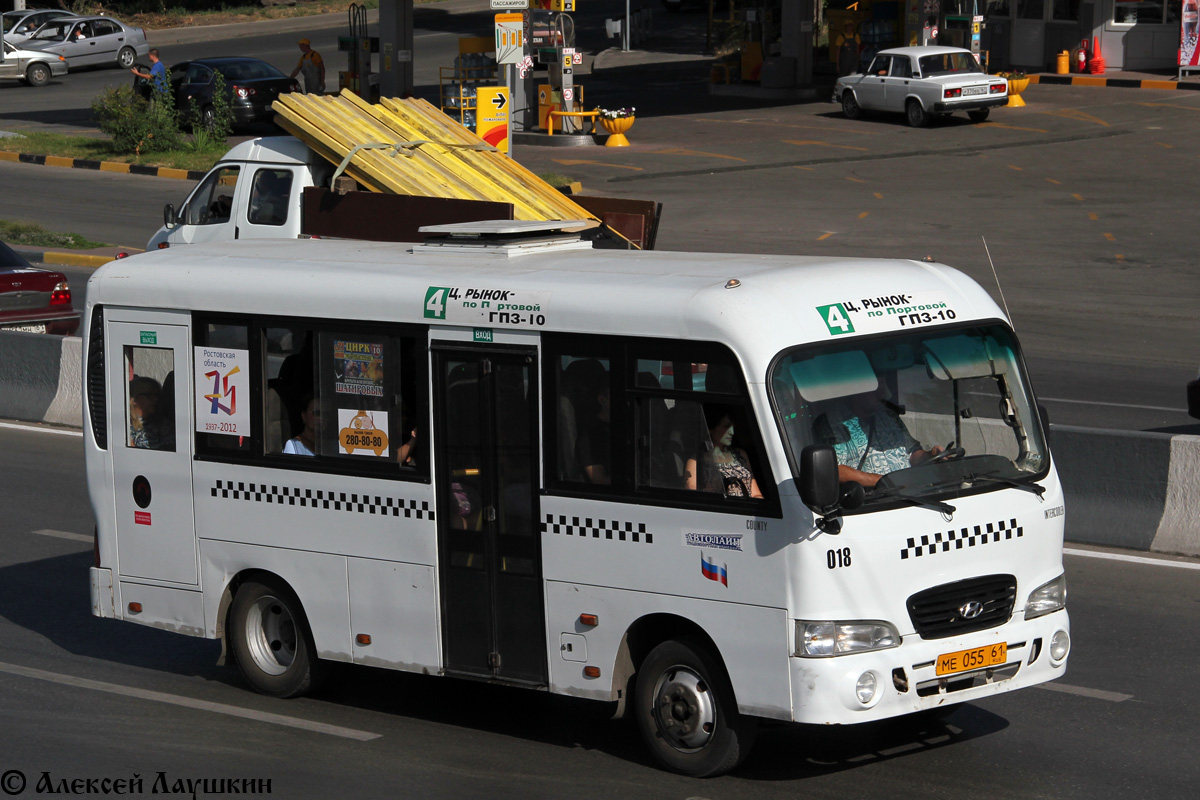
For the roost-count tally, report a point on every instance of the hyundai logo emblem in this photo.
(970, 610)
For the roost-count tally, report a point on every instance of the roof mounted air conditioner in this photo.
(506, 238)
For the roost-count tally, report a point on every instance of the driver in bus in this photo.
(869, 438)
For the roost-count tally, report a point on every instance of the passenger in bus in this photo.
(593, 449)
(161, 427)
(722, 468)
(306, 443)
(869, 438)
(406, 454)
(143, 407)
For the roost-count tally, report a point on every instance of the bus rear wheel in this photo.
(271, 641)
(686, 712)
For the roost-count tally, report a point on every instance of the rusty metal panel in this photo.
(387, 217)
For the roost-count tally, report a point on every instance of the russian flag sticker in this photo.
(713, 571)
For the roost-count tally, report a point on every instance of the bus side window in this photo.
(288, 363)
(150, 410)
(234, 337)
(694, 428)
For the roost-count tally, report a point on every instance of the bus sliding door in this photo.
(150, 391)
(489, 547)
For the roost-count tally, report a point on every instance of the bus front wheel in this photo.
(271, 640)
(686, 712)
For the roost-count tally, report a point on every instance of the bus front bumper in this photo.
(905, 679)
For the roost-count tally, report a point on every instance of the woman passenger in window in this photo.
(722, 469)
(143, 408)
(306, 443)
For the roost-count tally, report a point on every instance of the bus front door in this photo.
(150, 423)
(488, 541)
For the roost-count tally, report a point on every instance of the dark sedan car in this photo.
(251, 86)
(34, 300)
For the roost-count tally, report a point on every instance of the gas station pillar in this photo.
(796, 34)
(396, 48)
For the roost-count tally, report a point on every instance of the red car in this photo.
(34, 300)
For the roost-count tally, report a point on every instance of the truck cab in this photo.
(254, 192)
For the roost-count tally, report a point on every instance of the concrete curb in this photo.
(73, 258)
(103, 166)
(1118, 83)
(1127, 489)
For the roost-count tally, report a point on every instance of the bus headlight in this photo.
(1047, 598)
(824, 639)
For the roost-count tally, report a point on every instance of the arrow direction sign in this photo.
(493, 123)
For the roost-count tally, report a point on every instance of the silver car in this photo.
(34, 67)
(20, 25)
(922, 82)
(91, 41)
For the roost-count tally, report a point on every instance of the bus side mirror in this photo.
(819, 486)
(169, 218)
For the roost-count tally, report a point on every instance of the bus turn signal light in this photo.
(591, 620)
(135, 608)
(363, 638)
(591, 672)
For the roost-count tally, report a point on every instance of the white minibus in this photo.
(710, 489)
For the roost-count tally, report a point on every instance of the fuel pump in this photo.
(562, 69)
(359, 45)
(960, 28)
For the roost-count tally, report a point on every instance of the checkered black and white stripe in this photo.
(585, 527)
(932, 543)
(320, 499)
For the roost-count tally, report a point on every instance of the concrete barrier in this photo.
(1127, 489)
(41, 377)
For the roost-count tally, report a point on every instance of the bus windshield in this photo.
(925, 414)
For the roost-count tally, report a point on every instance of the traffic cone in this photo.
(1096, 62)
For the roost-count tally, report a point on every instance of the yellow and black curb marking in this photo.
(1120, 83)
(103, 166)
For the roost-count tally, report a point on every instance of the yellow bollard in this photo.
(1063, 65)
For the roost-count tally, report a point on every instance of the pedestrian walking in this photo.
(312, 67)
(157, 74)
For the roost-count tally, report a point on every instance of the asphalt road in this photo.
(87, 698)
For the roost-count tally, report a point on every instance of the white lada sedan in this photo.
(921, 82)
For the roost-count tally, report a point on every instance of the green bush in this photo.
(136, 125)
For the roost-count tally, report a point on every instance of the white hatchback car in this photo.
(921, 82)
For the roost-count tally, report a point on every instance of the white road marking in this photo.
(74, 537)
(1157, 562)
(1111, 405)
(189, 702)
(1096, 694)
(40, 429)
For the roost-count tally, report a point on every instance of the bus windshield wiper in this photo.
(932, 505)
(1016, 484)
